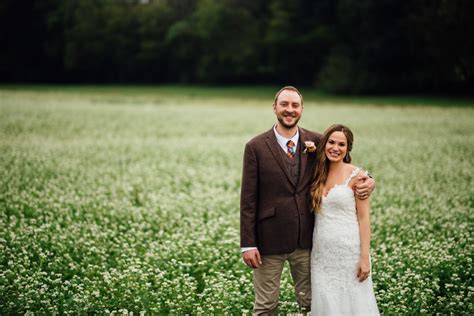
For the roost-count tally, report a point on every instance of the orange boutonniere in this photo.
(310, 147)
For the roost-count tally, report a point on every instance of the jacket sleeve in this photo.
(249, 199)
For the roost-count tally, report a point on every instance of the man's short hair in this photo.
(291, 88)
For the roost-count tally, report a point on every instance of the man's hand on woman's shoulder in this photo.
(364, 186)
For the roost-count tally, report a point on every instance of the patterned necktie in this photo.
(291, 149)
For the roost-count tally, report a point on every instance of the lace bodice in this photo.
(340, 201)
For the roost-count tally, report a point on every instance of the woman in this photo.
(340, 262)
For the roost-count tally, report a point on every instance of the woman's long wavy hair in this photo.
(322, 164)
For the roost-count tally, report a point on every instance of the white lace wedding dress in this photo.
(334, 257)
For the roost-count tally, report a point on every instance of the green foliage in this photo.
(384, 46)
(218, 41)
(127, 200)
(349, 46)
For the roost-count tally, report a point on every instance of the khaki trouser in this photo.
(266, 281)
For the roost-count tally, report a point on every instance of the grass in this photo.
(263, 93)
(127, 198)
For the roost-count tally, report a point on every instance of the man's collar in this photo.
(283, 140)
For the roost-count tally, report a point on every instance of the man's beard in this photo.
(285, 125)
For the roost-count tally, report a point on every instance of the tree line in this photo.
(342, 46)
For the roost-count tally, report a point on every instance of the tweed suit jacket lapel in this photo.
(303, 175)
(274, 147)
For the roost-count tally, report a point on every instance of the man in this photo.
(276, 222)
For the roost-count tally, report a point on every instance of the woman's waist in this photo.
(337, 229)
(337, 220)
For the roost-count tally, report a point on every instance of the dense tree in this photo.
(25, 53)
(346, 46)
(387, 46)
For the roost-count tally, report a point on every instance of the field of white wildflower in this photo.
(127, 200)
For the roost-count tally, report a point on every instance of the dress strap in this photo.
(353, 174)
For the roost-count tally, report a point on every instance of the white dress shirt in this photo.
(283, 140)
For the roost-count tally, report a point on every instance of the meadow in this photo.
(126, 199)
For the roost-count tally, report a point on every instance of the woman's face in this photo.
(336, 147)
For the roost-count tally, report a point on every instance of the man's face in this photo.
(288, 108)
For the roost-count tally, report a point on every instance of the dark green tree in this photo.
(344, 46)
(391, 46)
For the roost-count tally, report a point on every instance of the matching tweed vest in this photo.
(293, 166)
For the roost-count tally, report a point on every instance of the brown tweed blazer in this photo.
(275, 213)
